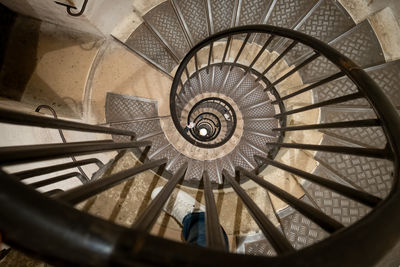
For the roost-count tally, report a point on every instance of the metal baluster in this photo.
(275, 237)
(312, 86)
(209, 56)
(322, 104)
(360, 196)
(290, 47)
(81, 193)
(291, 72)
(20, 118)
(226, 51)
(59, 178)
(320, 218)
(269, 40)
(215, 237)
(344, 124)
(22, 154)
(146, 221)
(45, 170)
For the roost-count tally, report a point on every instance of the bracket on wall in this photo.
(70, 8)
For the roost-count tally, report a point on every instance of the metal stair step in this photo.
(124, 108)
(146, 44)
(359, 44)
(286, 14)
(222, 13)
(327, 21)
(193, 15)
(340, 208)
(165, 24)
(370, 174)
(362, 136)
(252, 11)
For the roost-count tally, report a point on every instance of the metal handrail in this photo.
(108, 244)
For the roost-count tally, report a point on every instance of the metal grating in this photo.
(164, 20)
(206, 80)
(261, 126)
(260, 248)
(146, 44)
(195, 17)
(334, 205)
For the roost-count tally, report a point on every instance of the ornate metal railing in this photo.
(50, 228)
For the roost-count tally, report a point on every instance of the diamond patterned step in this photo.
(371, 175)
(147, 45)
(298, 229)
(327, 21)
(163, 21)
(362, 136)
(301, 231)
(223, 14)
(386, 75)
(193, 15)
(359, 44)
(125, 108)
(286, 14)
(252, 11)
(195, 170)
(340, 208)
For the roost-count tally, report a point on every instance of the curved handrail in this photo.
(108, 244)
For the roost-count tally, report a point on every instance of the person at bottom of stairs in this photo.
(190, 214)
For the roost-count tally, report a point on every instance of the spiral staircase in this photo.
(294, 114)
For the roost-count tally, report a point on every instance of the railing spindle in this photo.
(214, 234)
(333, 101)
(146, 221)
(22, 154)
(274, 236)
(320, 218)
(81, 193)
(360, 196)
(290, 47)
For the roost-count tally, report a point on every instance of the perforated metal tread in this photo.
(369, 174)
(147, 45)
(193, 14)
(359, 44)
(163, 20)
(327, 21)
